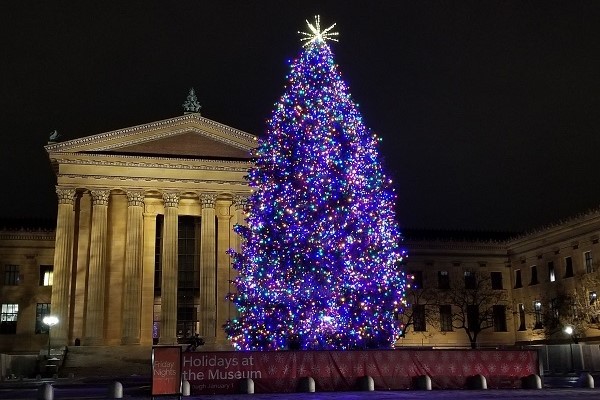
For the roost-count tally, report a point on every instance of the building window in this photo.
(551, 273)
(419, 318)
(41, 310)
(8, 318)
(537, 310)
(554, 312)
(521, 308)
(587, 258)
(518, 282)
(156, 323)
(158, 256)
(446, 318)
(534, 278)
(496, 278)
(186, 322)
(443, 280)
(46, 275)
(11, 275)
(593, 298)
(568, 267)
(470, 282)
(473, 317)
(417, 281)
(499, 315)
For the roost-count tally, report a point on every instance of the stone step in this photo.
(84, 361)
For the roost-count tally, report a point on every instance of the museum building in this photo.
(145, 217)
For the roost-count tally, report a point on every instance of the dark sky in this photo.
(489, 110)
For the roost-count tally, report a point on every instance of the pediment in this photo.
(188, 136)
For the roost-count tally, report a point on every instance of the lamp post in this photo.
(50, 320)
(569, 331)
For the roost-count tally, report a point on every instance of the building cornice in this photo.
(119, 160)
(246, 140)
(168, 180)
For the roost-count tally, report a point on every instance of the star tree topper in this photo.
(316, 35)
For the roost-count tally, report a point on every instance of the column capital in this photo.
(135, 198)
(208, 200)
(171, 199)
(239, 201)
(65, 196)
(100, 197)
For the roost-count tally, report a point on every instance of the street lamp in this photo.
(50, 320)
(569, 331)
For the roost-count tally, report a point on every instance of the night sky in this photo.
(489, 110)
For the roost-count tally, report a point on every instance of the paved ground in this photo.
(97, 392)
(138, 388)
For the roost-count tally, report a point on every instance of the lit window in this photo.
(551, 272)
(46, 275)
(8, 318)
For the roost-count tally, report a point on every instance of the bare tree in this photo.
(419, 310)
(475, 305)
(574, 303)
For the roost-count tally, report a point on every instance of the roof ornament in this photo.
(54, 137)
(191, 105)
(316, 35)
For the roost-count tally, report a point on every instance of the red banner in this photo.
(281, 371)
(166, 370)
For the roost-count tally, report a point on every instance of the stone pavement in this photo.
(508, 394)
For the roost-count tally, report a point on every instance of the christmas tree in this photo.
(319, 262)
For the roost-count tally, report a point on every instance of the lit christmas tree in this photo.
(319, 262)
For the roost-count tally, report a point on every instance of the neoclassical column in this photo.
(168, 310)
(239, 203)
(94, 316)
(132, 286)
(63, 256)
(208, 266)
(224, 271)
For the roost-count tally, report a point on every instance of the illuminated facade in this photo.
(146, 215)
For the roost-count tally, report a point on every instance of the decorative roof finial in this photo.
(191, 105)
(54, 136)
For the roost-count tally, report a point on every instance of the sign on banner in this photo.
(166, 370)
(283, 371)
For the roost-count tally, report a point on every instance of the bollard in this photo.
(366, 384)
(586, 380)
(115, 390)
(306, 385)
(477, 382)
(532, 381)
(45, 392)
(247, 386)
(422, 382)
(185, 388)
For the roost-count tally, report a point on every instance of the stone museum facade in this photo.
(145, 218)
